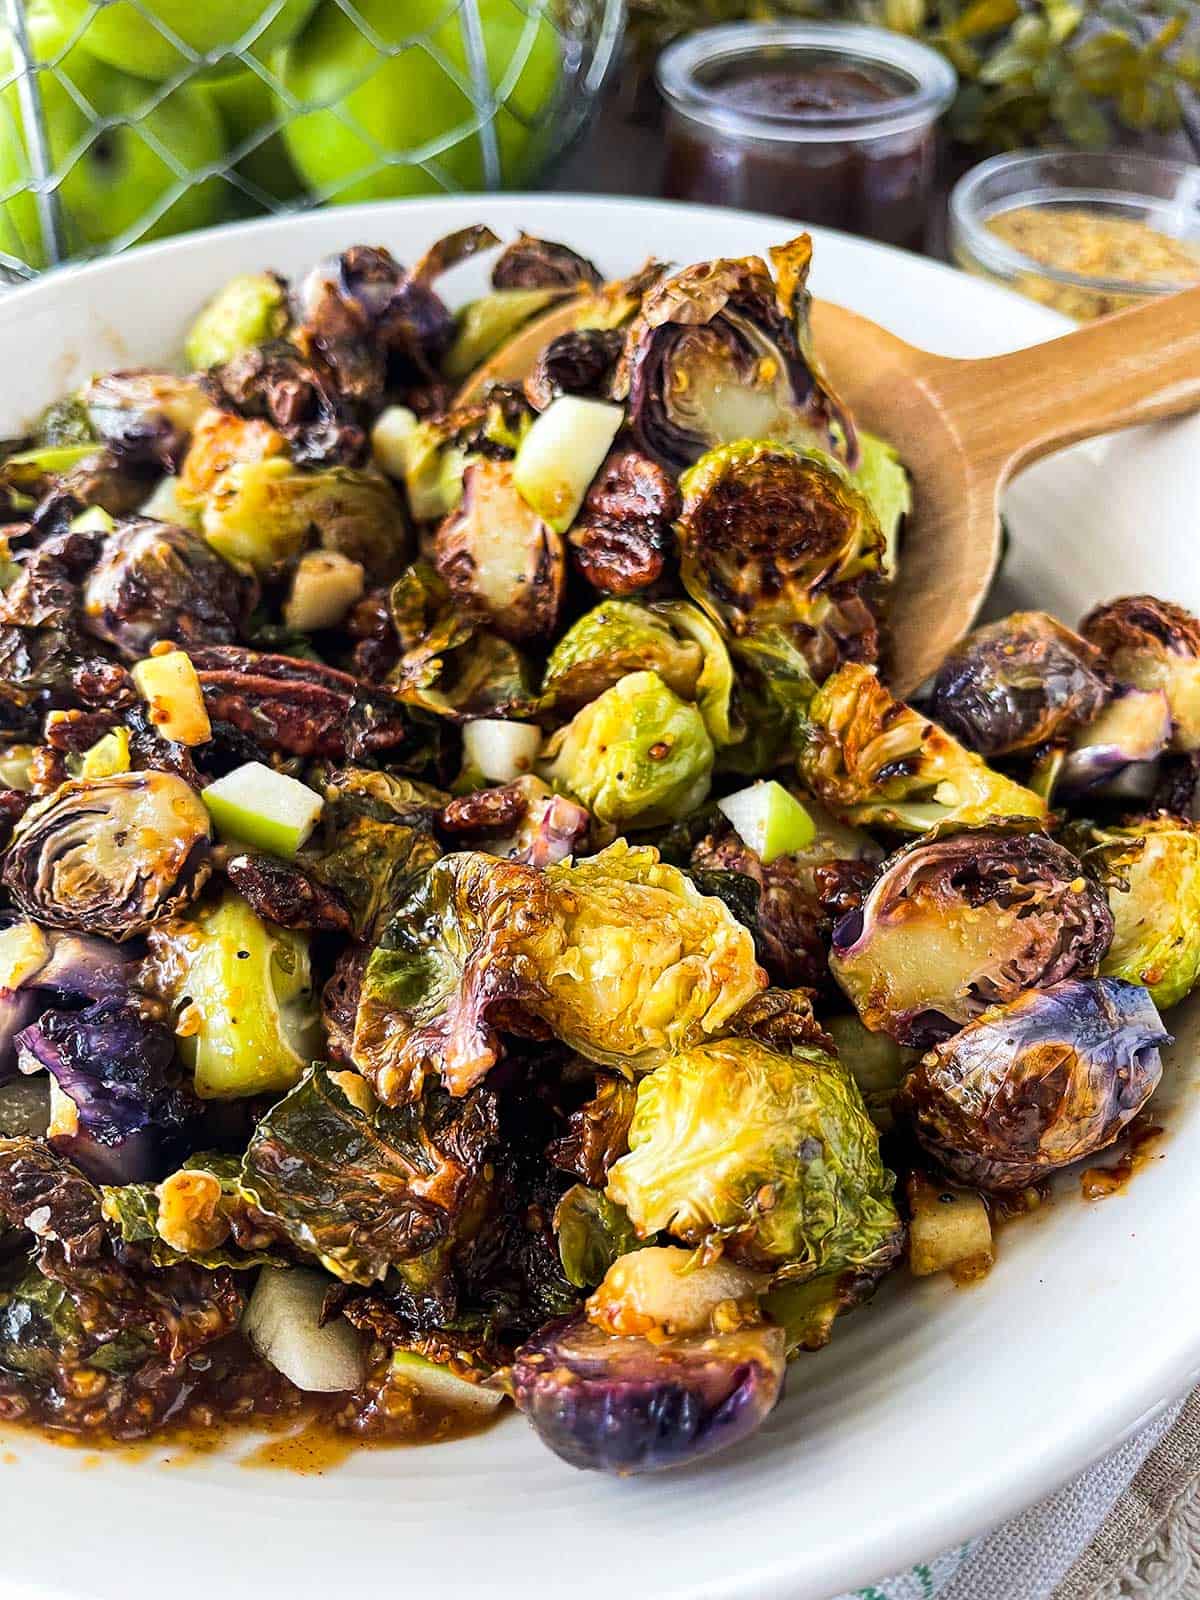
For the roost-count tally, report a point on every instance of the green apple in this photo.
(114, 179)
(257, 806)
(245, 105)
(119, 34)
(769, 819)
(561, 454)
(407, 105)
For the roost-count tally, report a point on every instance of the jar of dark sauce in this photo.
(825, 122)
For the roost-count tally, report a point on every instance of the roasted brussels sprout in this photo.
(622, 538)
(1151, 870)
(613, 639)
(145, 418)
(1116, 754)
(249, 310)
(625, 1404)
(242, 994)
(499, 559)
(877, 762)
(154, 581)
(637, 756)
(619, 954)
(1016, 684)
(579, 362)
(275, 382)
(1034, 1085)
(771, 1154)
(111, 855)
(665, 1288)
(715, 355)
(1152, 644)
(954, 925)
(774, 535)
(529, 263)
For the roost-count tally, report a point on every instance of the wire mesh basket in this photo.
(125, 120)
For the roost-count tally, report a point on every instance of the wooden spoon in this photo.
(963, 430)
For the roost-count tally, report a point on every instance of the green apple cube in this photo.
(769, 819)
(257, 806)
(501, 751)
(562, 453)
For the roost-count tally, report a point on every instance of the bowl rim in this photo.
(969, 218)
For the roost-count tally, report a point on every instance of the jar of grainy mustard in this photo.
(1086, 232)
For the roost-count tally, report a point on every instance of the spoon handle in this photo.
(1141, 365)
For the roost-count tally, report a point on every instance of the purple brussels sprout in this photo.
(1017, 683)
(1117, 754)
(954, 925)
(146, 418)
(44, 968)
(118, 1109)
(1037, 1084)
(626, 1404)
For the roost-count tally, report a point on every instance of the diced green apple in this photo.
(562, 453)
(768, 819)
(257, 806)
(170, 687)
(500, 751)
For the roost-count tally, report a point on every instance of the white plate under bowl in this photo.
(936, 1412)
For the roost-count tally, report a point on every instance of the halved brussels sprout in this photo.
(637, 756)
(1152, 644)
(499, 558)
(532, 263)
(613, 639)
(772, 1155)
(242, 992)
(248, 310)
(619, 954)
(718, 353)
(1034, 1085)
(954, 925)
(1151, 869)
(666, 1289)
(773, 535)
(714, 689)
(145, 417)
(623, 1404)
(1018, 683)
(1116, 753)
(110, 855)
(876, 761)
(154, 581)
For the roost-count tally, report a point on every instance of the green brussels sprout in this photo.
(887, 488)
(774, 536)
(1152, 644)
(877, 762)
(714, 688)
(1151, 870)
(638, 756)
(773, 1155)
(242, 993)
(875, 1061)
(619, 955)
(611, 640)
(251, 309)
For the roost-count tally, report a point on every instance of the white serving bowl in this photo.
(936, 1411)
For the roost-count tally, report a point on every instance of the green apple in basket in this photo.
(382, 114)
(246, 106)
(114, 178)
(123, 32)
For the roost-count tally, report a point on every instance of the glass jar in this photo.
(830, 123)
(1087, 232)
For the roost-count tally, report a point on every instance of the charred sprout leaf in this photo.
(119, 1107)
(1151, 869)
(877, 762)
(500, 561)
(1152, 644)
(374, 842)
(529, 263)
(955, 924)
(112, 855)
(626, 1404)
(450, 666)
(241, 990)
(771, 1154)
(275, 382)
(597, 1133)
(146, 418)
(773, 536)
(250, 309)
(619, 955)
(197, 1214)
(714, 356)
(1017, 683)
(1032, 1086)
(615, 638)
(637, 756)
(363, 1190)
(154, 581)
(592, 1234)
